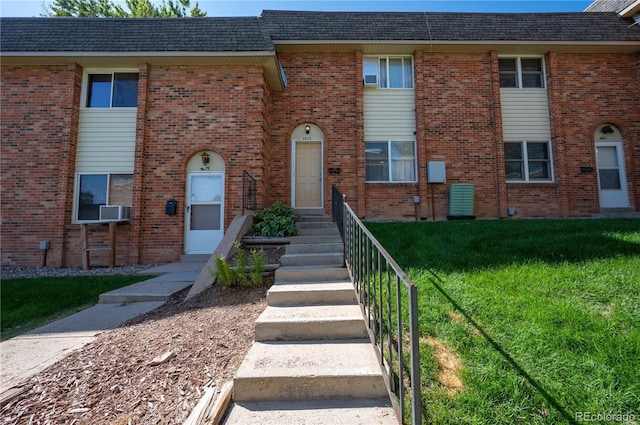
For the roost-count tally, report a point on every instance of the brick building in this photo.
(539, 114)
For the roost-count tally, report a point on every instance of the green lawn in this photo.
(29, 303)
(543, 315)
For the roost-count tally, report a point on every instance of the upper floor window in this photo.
(521, 72)
(388, 72)
(390, 161)
(528, 161)
(112, 90)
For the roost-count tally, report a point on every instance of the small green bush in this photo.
(278, 220)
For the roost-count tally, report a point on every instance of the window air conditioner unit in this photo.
(115, 213)
(371, 80)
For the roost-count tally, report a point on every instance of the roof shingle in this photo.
(133, 35)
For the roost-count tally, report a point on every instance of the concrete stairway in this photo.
(312, 361)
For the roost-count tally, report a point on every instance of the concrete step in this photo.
(315, 322)
(309, 370)
(307, 213)
(311, 273)
(332, 231)
(315, 225)
(307, 293)
(316, 239)
(316, 412)
(306, 248)
(159, 288)
(314, 259)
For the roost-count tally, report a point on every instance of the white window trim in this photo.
(76, 192)
(415, 164)
(85, 86)
(387, 57)
(525, 159)
(519, 71)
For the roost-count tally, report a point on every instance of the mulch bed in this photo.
(113, 380)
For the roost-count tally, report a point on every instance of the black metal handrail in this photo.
(249, 192)
(389, 302)
(337, 207)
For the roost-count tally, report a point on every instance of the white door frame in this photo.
(294, 144)
(614, 198)
(191, 246)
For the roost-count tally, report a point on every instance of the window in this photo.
(94, 190)
(114, 90)
(390, 161)
(521, 72)
(392, 72)
(528, 161)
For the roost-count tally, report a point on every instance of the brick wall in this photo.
(39, 134)
(231, 111)
(455, 124)
(191, 109)
(321, 90)
(587, 90)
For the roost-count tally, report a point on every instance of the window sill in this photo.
(534, 184)
(394, 183)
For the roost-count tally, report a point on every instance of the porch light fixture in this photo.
(607, 129)
(307, 128)
(205, 158)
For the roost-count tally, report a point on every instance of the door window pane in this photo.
(609, 179)
(607, 157)
(205, 217)
(206, 188)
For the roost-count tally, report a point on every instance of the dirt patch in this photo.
(449, 366)
(112, 381)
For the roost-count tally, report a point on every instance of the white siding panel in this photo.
(389, 115)
(525, 115)
(106, 140)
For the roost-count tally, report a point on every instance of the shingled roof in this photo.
(246, 34)
(293, 25)
(133, 35)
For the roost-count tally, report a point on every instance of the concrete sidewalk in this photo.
(30, 353)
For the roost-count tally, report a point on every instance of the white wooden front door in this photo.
(204, 212)
(612, 179)
(308, 175)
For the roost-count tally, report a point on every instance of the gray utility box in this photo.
(461, 201)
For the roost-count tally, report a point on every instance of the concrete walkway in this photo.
(30, 353)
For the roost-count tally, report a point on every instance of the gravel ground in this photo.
(9, 272)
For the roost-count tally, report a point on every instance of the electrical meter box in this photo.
(436, 172)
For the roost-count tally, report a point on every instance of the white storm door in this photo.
(308, 175)
(612, 181)
(204, 212)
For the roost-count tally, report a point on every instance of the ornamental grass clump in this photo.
(246, 273)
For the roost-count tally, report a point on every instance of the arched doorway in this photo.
(204, 203)
(307, 178)
(612, 178)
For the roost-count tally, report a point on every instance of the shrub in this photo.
(275, 221)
